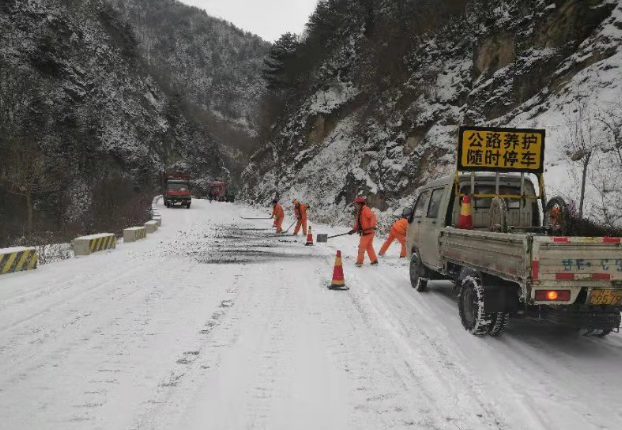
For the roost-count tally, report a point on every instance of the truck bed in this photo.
(501, 254)
(579, 260)
(553, 261)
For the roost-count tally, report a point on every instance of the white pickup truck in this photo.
(523, 270)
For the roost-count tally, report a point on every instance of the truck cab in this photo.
(217, 190)
(177, 190)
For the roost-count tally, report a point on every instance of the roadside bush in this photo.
(588, 228)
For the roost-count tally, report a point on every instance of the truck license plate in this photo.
(605, 297)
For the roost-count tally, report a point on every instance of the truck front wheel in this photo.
(417, 273)
(471, 307)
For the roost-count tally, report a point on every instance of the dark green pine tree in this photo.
(275, 66)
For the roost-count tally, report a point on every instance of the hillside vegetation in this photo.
(369, 99)
(214, 66)
(90, 118)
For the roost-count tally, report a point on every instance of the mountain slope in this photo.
(213, 65)
(84, 129)
(377, 111)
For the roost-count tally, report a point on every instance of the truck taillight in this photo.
(553, 295)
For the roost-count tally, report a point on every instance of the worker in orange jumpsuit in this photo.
(365, 226)
(279, 215)
(300, 211)
(398, 232)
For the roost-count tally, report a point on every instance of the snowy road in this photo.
(210, 324)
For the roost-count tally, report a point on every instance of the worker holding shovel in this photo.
(279, 215)
(398, 232)
(365, 226)
(300, 211)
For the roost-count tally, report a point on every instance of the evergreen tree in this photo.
(282, 53)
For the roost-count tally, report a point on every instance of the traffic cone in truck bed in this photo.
(309, 238)
(465, 221)
(338, 281)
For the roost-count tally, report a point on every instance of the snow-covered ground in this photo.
(210, 323)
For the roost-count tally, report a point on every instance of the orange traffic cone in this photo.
(465, 221)
(309, 238)
(338, 279)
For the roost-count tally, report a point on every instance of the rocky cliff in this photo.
(85, 130)
(212, 65)
(386, 84)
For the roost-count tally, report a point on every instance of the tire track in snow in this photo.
(467, 395)
(374, 311)
(57, 318)
(386, 384)
(86, 369)
(265, 341)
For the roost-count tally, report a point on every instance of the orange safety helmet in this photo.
(360, 199)
(295, 202)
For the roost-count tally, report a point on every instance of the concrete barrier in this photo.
(151, 226)
(17, 259)
(155, 213)
(133, 234)
(86, 245)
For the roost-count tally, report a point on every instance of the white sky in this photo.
(266, 18)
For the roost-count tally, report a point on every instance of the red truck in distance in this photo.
(177, 190)
(217, 191)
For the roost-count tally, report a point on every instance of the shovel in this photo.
(323, 238)
(289, 227)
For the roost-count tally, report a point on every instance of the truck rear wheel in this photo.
(501, 320)
(417, 273)
(471, 307)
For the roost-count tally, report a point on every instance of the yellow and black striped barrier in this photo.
(87, 245)
(133, 234)
(103, 243)
(17, 260)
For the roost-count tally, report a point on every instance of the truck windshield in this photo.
(178, 186)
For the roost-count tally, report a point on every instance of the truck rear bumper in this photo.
(583, 317)
(174, 200)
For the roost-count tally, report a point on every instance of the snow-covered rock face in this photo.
(72, 85)
(215, 66)
(363, 128)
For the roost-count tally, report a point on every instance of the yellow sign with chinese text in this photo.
(501, 149)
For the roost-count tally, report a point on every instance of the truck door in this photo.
(414, 229)
(430, 227)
